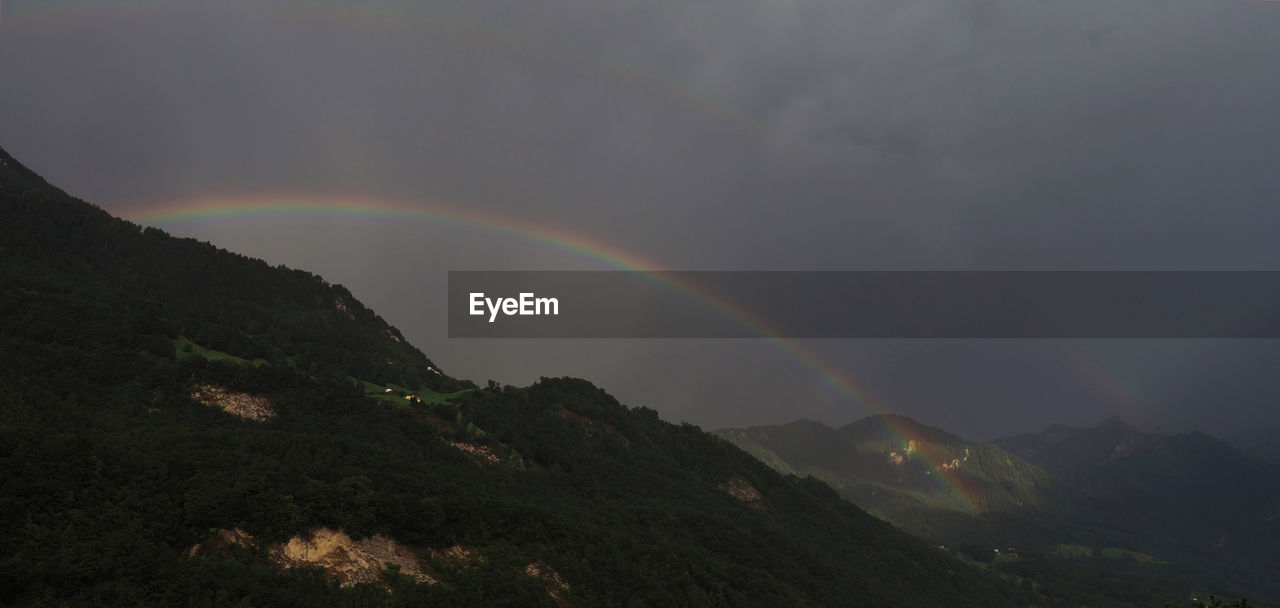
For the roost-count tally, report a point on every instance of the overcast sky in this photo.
(874, 134)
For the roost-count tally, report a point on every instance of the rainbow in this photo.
(392, 18)
(1117, 394)
(292, 207)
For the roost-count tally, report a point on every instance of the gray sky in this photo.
(875, 134)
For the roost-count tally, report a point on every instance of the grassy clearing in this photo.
(1118, 553)
(398, 393)
(1073, 551)
(185, 348)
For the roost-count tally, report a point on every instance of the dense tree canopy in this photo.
(110, 470)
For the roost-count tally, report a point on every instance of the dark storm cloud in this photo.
(710, 135)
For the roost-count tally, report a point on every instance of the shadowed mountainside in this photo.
(180, 424)
(1186, 506)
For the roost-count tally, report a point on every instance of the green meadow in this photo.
(398, 392)
(185, 348)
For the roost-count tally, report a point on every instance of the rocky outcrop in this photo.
(244, 405)
(346, 560)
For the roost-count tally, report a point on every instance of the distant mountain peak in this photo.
(1062, 449)
(806, 422)
(899, 427)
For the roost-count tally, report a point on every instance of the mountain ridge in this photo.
(894, 450)
(122, 347)
(1190, 503)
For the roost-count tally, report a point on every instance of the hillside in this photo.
(1190, 498)
(182, 425)
(1109, 498)
(919, 478)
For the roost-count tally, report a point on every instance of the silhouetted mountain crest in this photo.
(918, 477)
(896, 427)
(180, 423)
(1189, 499)
(216, 299)
(10, 164)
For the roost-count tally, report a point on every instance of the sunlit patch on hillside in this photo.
(740, 489)
(556, 585)
(479, 453)
(346, 560)
(244, 405)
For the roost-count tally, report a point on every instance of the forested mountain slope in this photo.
(919, 478)
(1064, 504)
(181, 425)
(1190, 498)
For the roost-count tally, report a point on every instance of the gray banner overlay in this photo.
(875, 304)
